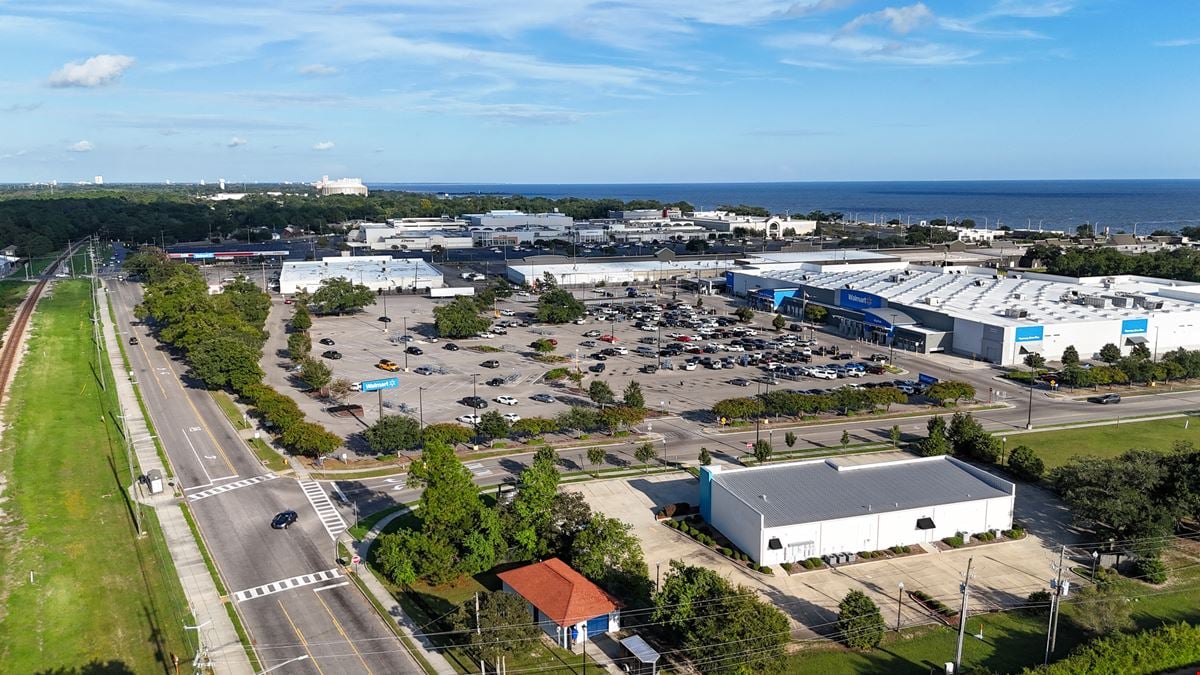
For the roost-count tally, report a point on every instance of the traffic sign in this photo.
(355, 560)
(376, 385)
(749, 445)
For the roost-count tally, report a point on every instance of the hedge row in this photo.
(1163, 649)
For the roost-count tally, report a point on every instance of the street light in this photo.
(1003, 446)
(404, 341)
(1095, 559)
(899, 604)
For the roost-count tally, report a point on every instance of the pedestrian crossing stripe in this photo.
(287, 584)
(212, 492)
(327, 513)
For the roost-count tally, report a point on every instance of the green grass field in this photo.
(11, 295)
(101, 599)
(1058, 447)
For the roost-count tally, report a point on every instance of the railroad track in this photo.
(12, 346)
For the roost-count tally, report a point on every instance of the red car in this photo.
(608, 338)
(684, 338)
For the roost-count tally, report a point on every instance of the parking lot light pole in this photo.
(405, 342)
(899, 604)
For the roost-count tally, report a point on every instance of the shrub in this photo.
(1038, 603)
(556, 374)
(1015, 533)
(672, 524)
(933, 603)
(860, 624)
(726, 551)
(984, 536)
(1151, 570)
(900, 549)
(669, 511)
(765, 569)
(813, 563)
(696, 518)
(790, 568)
(953, 542)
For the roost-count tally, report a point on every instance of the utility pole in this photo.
(478, 631)
(1055, 586)
(962, 617)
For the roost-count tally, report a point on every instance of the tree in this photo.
(1108, 610)
(1139, 351)
(632, 396)
(315, 373)
(569, 515)
(744, 314)
(778, 322)
(447, 432)
(936, 442)
(815, 313)
(492, 425)
(501, 288)
(247, 300)
(949, 390)
(600, 393)
(536, 486)
(715, 622)
(705, 457)
(894, 435)
(310, 439)
(557, 305)
(340, 388)
(789, 438)
(1025, 463)
(533, 426)
(543, 346)
(301, 319)
(393, 433)
(607, 552)
(645, 454)
(738, 408)
(226, 361)
(845, 438)
(505, 625)
(1070, 356)
(1035, 361)
(1110, 353)
(596, 456)
(762, 450)
(337, 295)
(299, 346)
(459, 318)
(859, 624)
(697, 245)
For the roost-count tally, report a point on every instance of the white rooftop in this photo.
(358, 269)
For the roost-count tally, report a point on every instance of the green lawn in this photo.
(101, 600)
(1058, 447)
(230, 409)
(11, 295)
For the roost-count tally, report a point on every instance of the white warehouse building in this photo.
(378, 273)
(780, 513)
(616, 273)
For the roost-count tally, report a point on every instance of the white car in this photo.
(691, 365)
(621, 350)
(648, 328)
(511, 417)
(523, 294)
(580, 321)
(485, 335)
(822, 374)
(506, 400)
(469, 419)
(507, 312)
(734, 348)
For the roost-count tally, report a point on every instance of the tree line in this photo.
(1179, 264)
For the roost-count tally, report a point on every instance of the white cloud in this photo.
(901, 20)
(81, 146)
(1185, 42)
(317, 69)
(855, 48)
(14, 155)
(323, 145)
(1031, 9)
(235, 142)
(97, 71)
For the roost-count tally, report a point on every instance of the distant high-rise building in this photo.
(341, 186)
(98, 180)
(202, 183)
(222, 183)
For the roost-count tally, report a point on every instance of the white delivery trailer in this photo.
(451, 291)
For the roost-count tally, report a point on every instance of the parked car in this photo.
(592, 334)
(490, 363)
(597, 368)
(331, 354)
(495, 382)
(507, 312)
(1105, 399)
(511, 417)
(388, 365)
(506, 400)
(424, 370)
(649, 369)
(384, 319)
(414, 350)
(608, 338)
(475, 402)
(283, 520)
(740, 382)
(878, 358)
(543, 398)
(469, 419)
(450, 347)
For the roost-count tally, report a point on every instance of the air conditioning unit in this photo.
(1016, 313)
(1016, 296)
(932, 301)
(978, 282)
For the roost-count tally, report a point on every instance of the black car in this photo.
(495, 382)
(597, 368)
(282, 520)
(1105, 399)
(450, 347)
(331, 354)
(385, 319)
(844, 356)
(414, 350)
(490, 363)
(878, 358)
(133, 340)
(328, 342)
(475, 402)
(649, 368)
(600, 356)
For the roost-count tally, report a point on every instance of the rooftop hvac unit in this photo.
(1097, 301)
(895, 278)
(978, 282)
(932, 301)
(1016, 313)
(1016, 296)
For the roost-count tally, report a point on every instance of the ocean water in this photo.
(1050, 204)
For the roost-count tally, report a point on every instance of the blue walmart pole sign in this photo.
(926, 379)
(376, 385)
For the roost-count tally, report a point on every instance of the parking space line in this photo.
(287, 584)
(327, 513)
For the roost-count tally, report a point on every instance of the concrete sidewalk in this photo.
(217, 634)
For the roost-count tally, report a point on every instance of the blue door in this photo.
(597, 625)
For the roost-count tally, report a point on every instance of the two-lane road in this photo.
(292, 596)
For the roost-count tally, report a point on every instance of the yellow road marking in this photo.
(338, 626)
(300, 635)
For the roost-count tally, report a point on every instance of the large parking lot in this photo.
(673, 355)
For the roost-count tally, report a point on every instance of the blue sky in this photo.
(599, 91)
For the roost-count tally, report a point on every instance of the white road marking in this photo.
(212, 492)
(330, 519)
(201, 462)
(478, 469)
(325, 588)
(287, 584)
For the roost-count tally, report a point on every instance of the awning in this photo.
(925, 524)
(886, 317)
(1136, 340)
(640, 650)
(1032, 348)
(774, 544)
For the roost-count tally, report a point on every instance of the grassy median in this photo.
(100, 598)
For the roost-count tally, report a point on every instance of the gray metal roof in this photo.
(806, 492)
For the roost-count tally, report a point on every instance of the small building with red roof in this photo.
(567, 606)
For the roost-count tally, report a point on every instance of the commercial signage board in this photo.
(376, 385)
(1135, 326)
(926, 379)
(852, 299)
(1030, 333)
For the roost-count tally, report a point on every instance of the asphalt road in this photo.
(287, 587)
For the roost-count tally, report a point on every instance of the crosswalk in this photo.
(287, 584)
(212, 492)
(326, 511)
(479, 470)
